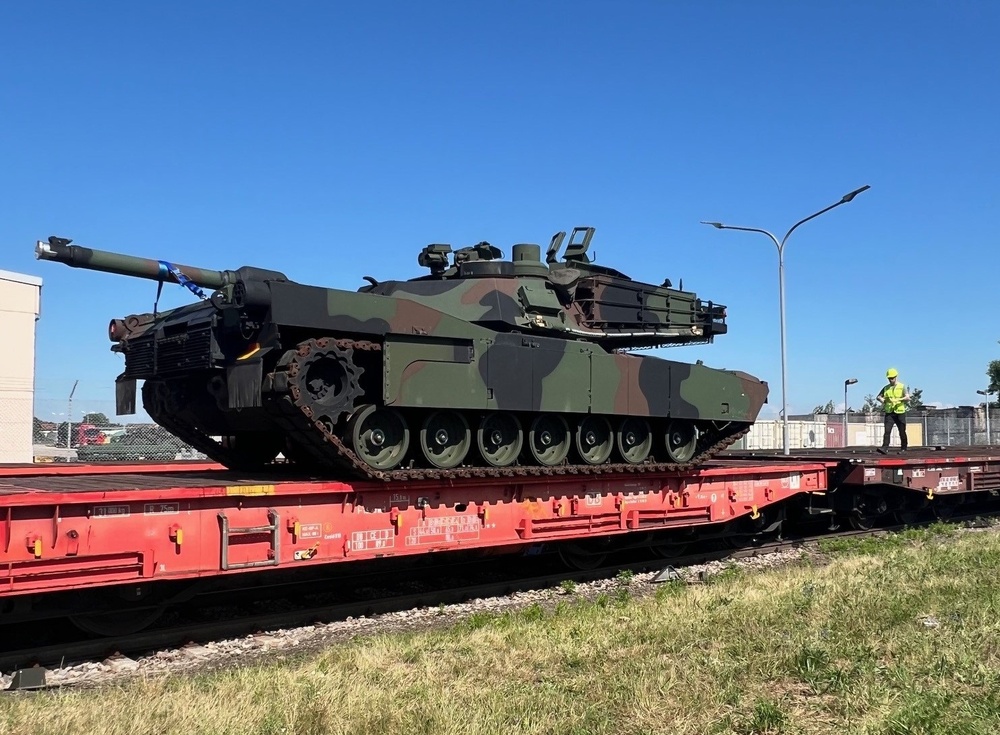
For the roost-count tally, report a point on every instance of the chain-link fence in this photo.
(948, 431)
(964, 426)
(87, 430)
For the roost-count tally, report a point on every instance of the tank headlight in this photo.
(117, 330)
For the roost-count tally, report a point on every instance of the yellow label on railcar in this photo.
(250, 490)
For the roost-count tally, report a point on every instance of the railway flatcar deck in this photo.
(940, 470)
(104, 468)
(130, 529)
(60, 531)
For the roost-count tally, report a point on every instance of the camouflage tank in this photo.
(482, 367)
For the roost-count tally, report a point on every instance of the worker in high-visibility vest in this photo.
(893, 398)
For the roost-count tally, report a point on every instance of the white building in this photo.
(20, 299)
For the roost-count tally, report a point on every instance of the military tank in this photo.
(481, 367)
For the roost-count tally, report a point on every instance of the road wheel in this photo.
(635, 440)
(379, 436)
(549, 439)
(500, 439)
(681, 440)
(445, 439)
(594, 439)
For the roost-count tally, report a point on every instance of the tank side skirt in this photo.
(294, 417)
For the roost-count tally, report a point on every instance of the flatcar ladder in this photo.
(228, 533)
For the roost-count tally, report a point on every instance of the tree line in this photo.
(870, 405)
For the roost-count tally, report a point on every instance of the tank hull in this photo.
(328, 358)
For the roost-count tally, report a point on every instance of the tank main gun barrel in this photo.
(60, 250)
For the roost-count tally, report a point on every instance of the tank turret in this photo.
(504, 366)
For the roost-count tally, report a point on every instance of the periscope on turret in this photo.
(483, 362)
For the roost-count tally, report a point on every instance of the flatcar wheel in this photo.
(445, 439)
(577, 557)
(944, 508)
(379, 436)
(862, 521)
(549, 439)
(668, 551)
(906, 516)
(120, 622)
(681, 440)
(867, 513)
(594, 439)
(635, 440)
(500, 439)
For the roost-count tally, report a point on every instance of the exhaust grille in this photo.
(149, 356)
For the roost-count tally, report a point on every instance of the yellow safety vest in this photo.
(892, 398)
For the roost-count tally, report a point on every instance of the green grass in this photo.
(900, 636)
(897, 539)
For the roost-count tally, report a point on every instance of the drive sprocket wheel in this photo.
(324, 378)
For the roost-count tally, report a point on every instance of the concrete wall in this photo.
(20, 300)
(870, 435)
(819, 434)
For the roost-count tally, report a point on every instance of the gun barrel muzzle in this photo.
(60, 250)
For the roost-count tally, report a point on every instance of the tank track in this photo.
(295, 417)
(176, 423)
(314, 439)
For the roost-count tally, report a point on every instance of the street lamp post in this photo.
(849, 381)
(986, 394)
(781, 291)
(69, 415)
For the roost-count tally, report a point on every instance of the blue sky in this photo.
(334, 140)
